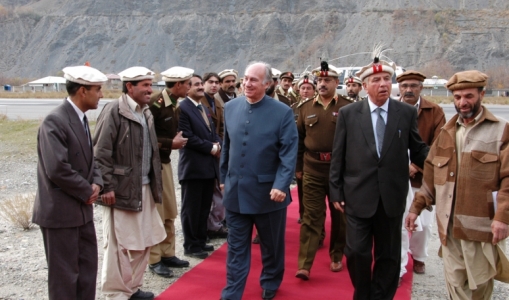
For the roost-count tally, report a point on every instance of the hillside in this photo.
(41, 37)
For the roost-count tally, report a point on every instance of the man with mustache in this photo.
(271, 90)
(286, 80)
(353, 87)
(430, 119)
(163, 106)
(468, 161)
(198, 169)
(227, 80)
(316, 125)
(127, 152)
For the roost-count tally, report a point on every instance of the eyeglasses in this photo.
(412, 86)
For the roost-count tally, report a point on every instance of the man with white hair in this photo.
(126, 150)
(256, 193)
(369, 179)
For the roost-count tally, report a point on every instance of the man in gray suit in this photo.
(369, 180)
(68, 184)
(257, 167)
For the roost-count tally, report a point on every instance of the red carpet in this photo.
(206, 280)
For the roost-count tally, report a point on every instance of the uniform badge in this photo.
(158, 103)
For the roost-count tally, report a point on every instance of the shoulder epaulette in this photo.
(347, 98)
(158, 102)
(303, 101)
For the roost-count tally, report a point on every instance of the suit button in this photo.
(439, 164)
(452, 174)
(246, 133)
(250, 111)
(244, 144)
(247, 121)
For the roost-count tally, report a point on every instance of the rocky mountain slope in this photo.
(40, 37)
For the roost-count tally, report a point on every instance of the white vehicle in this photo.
(346, 71)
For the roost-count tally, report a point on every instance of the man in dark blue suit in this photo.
(257, 166)
(197, 169)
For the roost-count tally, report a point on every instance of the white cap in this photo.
(275, 73)
(352, 79)
(378, 67)
(84, 75)
(306, 78)
(176, 74)
(136, 74)
(228, 72)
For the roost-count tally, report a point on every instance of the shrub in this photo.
(18, 210)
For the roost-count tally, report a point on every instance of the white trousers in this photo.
(123, 269)
(417, 243)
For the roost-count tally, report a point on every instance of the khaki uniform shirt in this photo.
(163, 108)
(316, 125)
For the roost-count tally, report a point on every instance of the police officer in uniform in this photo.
(353, 87)
(163, 107)
(271, 91)
(316, 126)
(286, 80)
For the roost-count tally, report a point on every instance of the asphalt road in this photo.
(39, 108)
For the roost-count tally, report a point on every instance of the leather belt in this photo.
(322, 156)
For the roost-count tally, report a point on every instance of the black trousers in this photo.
(194, 213)
(385, 232)
(71, 254)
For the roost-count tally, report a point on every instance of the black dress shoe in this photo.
(221, 233)
(141, 295)
(174, 262)
(161, 270)
(268, 294)
(207, 248)
(197, 254)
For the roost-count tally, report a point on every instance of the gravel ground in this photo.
(23, 270)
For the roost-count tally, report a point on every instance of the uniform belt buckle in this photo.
(325, 156)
